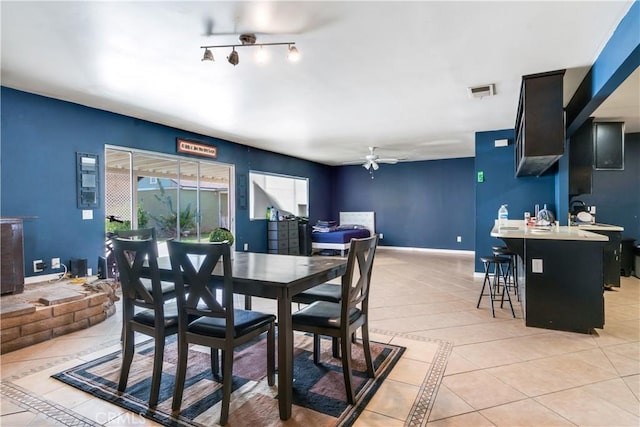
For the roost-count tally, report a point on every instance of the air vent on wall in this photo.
(481, 91)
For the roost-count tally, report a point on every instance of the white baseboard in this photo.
(442, 251)
(42, 278)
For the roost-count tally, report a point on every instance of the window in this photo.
(288, 194)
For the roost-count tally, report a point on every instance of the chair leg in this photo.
(367, 350)
(316, 349)
(271, 356)
(181, 373)
(346, 368)
(227, 383)
(215, 362)
(127, 357)
(156, 376)
(335, 347)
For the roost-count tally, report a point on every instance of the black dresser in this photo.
(282, 237)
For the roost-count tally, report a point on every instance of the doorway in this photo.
(183, 198)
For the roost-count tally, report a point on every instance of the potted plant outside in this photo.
(221, 234)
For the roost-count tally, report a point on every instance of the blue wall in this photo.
(500, 186)
(40, 137)
(417, 204)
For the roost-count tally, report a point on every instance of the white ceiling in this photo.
(387, 74)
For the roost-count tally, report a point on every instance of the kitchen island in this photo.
(560, 276)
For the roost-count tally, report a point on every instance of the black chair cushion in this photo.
(323, 314)
(323, 292)
(245, 322)
(147, 317)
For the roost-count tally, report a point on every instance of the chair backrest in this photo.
(139, 234)
(356, 282)
(193, 265)
(131, 257)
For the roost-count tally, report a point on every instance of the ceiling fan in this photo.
(372, 160)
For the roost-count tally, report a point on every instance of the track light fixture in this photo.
(249, 40)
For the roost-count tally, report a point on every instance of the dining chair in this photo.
(168, 288)
(323, 292)
(218, 324)
(342, 319)
(144, 309)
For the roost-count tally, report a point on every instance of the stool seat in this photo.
(494, 258)
(502, 251)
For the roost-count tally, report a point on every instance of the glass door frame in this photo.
(133, 203)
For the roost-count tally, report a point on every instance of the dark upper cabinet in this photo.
(581, 159)
(608, 144)
(540, 128)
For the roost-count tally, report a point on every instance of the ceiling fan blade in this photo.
(388, 161)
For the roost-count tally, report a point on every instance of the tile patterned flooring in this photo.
(462, 367)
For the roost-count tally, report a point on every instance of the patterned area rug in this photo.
(318, 392)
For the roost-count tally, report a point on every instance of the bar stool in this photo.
(512, 268)
(498, 271)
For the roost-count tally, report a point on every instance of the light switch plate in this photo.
(536, 265)
(87, 214)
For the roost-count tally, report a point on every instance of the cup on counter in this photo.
(527, 218)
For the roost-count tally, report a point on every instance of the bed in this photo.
(353, 225)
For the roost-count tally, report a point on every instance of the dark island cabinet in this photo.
(11, 256)
(611, 257)
(567, 292)
(539, 127)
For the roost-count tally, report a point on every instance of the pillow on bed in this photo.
(351, 227)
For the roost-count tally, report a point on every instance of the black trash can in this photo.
(626, 257)
(636, 267)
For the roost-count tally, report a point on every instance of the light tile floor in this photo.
(462, 367)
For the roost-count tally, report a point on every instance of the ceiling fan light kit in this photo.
(249, 40)
(372, 161)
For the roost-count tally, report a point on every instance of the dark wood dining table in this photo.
(276, 277)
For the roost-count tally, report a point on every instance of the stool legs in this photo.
(494, 282)
(487, 280)
(504, 288)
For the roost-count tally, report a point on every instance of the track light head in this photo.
(262, 55)
(233, 57)
(208, 55)
(294, 55)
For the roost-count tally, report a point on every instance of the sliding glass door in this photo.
(183, 198)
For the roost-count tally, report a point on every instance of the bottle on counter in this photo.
(503, 216)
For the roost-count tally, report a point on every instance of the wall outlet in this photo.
(536, 266)
(38, 266)
(381, 236)
(459, 239)
(246, 247)
(55, 262)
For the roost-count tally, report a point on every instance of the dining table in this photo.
(278, 277)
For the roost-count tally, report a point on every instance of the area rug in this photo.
(319, 397)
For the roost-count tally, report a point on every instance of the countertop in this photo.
(599, 227)
(516, 229)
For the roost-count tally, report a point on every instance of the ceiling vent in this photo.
(481, 91)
